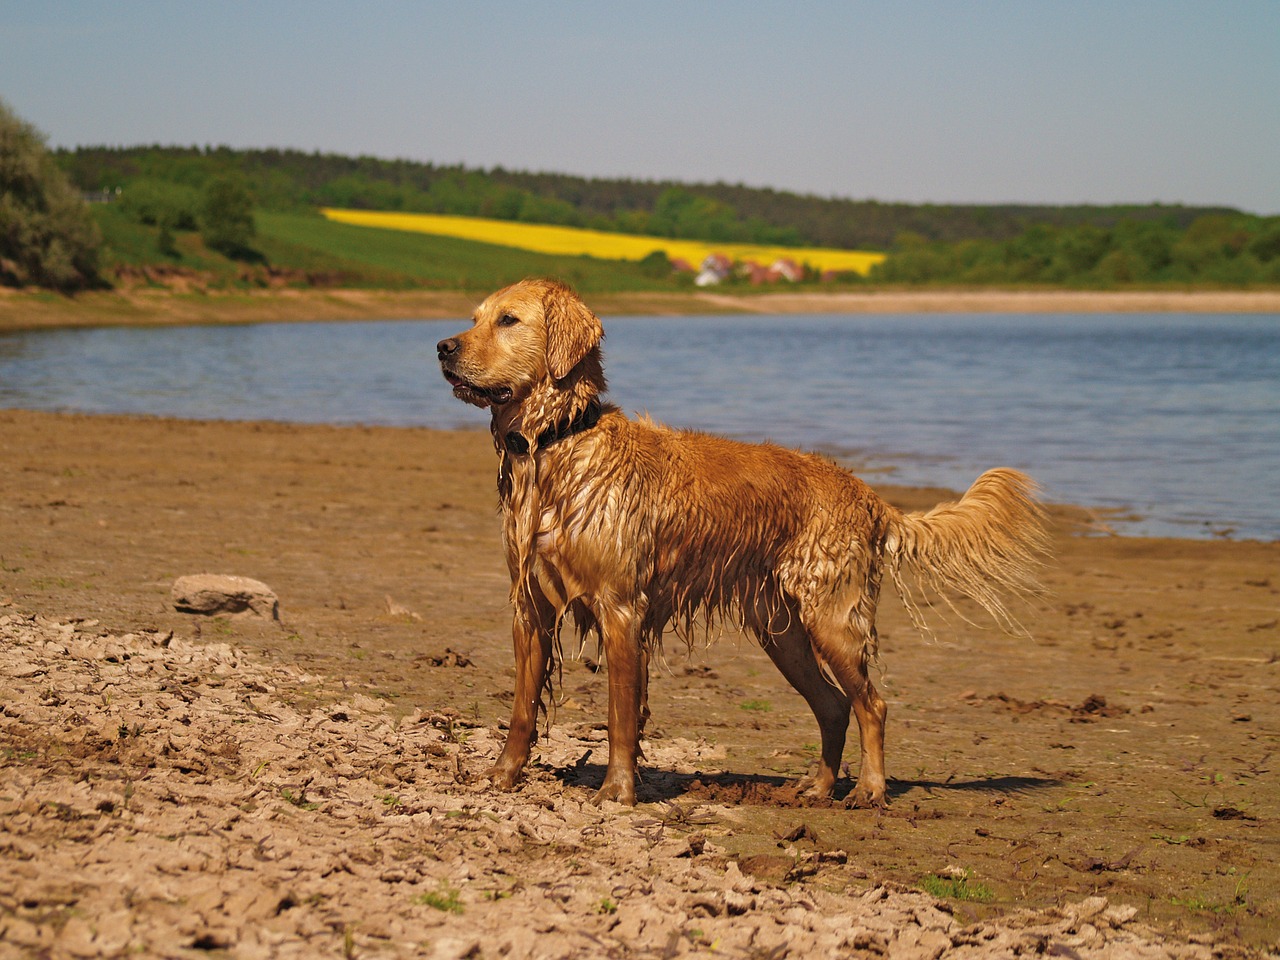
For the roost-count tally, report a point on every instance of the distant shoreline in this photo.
(149, 307)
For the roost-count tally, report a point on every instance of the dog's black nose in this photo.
(446, 348)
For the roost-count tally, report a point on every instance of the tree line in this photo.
(47, 238)
(1082, 245)
(293, 179)
(1218, 249)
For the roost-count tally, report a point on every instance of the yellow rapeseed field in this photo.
(573, 241)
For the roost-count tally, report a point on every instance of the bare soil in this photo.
(182, 786)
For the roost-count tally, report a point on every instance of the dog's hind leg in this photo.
(848, 660)
(786, 641)
(871, 710)
(532, 636)
(628, 682)
(792, 654)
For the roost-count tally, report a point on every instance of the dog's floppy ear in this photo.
(572, 329)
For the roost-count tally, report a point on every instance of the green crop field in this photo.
(311, 242)
(337, 253)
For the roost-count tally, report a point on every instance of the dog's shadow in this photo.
(663, 786)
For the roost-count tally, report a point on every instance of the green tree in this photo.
(226, 217)
(679, 213)
(47, 237)
(1079, 251)
(656, 264)
(1265, 245)
(160, 203)
(1145, 249)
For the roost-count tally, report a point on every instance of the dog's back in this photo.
(709, 526)
(714, 526)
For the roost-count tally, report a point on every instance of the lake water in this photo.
(1173, 417)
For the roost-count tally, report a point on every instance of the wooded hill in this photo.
(162, 188)
(292, 179)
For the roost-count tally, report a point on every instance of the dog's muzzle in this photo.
(463, 389)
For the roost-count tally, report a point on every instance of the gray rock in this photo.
(211, 594)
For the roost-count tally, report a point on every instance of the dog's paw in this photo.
(869, 795)
(503, 777)
(816, 788)
(623, 792)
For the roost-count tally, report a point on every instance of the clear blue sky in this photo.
(918, 100)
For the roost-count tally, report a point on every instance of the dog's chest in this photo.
(574, 554)
(565, 533)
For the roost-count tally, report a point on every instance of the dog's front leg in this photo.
(531, 637)
(626, 664)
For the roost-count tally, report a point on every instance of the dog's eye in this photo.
(507, 320)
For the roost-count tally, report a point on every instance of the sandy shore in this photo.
(171, 785)
(141, 306)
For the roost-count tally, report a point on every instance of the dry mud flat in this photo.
(167, 797)
(172, 785)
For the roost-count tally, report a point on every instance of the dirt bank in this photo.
(311, 787)
(159, 307)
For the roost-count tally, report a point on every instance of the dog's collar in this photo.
(518, 444)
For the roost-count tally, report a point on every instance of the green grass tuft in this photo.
(956, 888)
(444, 898)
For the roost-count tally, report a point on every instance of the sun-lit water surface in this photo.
(1173, 417)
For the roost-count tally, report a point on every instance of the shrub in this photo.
(159, 203)
(226, 217)
(47, 237)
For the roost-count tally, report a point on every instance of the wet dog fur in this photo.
(635, 530)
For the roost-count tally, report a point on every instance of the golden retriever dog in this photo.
(635, 529)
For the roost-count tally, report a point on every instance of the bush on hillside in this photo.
(159, 203)
(226, 217)
(47, 237)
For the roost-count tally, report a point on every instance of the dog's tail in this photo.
(988, 546)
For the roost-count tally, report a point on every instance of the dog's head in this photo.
(523, 335)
